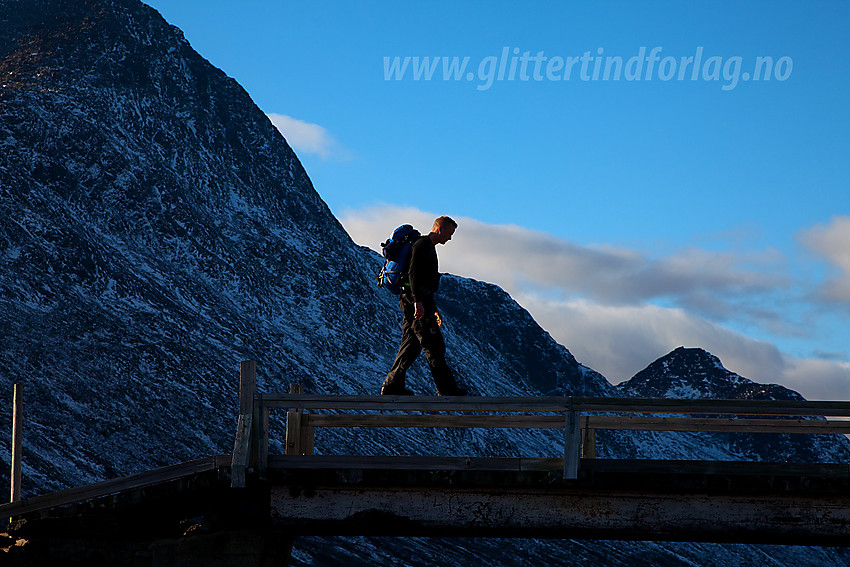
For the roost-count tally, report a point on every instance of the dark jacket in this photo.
(422, 273)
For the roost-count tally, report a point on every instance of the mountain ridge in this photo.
(158, 229)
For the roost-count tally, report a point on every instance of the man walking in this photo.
(420, 329)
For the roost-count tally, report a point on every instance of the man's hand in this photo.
(439, 319)
(418, 310)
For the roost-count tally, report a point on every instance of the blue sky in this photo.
(629, 215)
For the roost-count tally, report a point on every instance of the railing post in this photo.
(17, 438)
(308, 435)
(572, 442)
(293, 424)
(260, 442)
(588, 444)
(242, 446)
(247, 385)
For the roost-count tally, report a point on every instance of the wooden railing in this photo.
(579, 417)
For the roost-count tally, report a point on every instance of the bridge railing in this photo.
(578, 417)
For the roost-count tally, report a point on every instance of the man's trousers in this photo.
(420, 335)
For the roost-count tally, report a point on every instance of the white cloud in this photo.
(518, 258)
(832, 241)
(597, 301)
(306, 137)
(818, 379)
(619, 341)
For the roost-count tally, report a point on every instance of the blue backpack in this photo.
(397, 252)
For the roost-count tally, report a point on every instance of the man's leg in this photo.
(407, 353)
(431, 338)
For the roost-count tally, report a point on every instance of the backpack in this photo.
(397, 252)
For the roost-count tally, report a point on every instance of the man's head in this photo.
(443, 229)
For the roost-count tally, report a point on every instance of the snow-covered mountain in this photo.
(156, 229)
(693, 373)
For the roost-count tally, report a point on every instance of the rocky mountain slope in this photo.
(156, 229)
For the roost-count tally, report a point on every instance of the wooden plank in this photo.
(721, 468)
(588, 445)
(241, 451)
(293, 423)
(346, 462)
(308, 438)
(625, 422)
(734, 407)
(541, 464)
(245, 444)
(622, 466)
(415, 403)
(247, 385)
(431, 420)
(560, 404)
(718, 424)
(263, 441)
(572, 444)
(113, 486)
(566, 513)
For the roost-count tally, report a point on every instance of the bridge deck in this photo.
(511, 497)
(642, 500)
(572, 497)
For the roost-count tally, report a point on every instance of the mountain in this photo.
(157, 229)
(693, 373)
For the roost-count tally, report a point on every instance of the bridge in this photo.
(245, 508)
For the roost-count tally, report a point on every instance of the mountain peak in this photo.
(690, 359)
(694, 373)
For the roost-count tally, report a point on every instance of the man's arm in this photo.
(420, 275)
(414, 279)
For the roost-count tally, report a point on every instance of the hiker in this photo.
(420, 329)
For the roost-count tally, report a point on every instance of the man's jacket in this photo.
(422, 273)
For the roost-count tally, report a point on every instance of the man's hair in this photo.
(444, 220)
